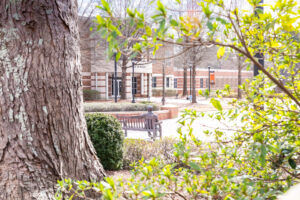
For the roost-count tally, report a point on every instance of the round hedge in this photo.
(107, 137)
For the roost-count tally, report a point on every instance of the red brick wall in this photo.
(221, 78)
(162, 114)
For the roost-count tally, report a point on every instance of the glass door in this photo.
(119, 86)
(134, 85)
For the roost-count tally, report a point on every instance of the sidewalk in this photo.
(170, 126)
(202, 104)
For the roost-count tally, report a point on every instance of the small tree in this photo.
(124, 27)
(195, 55)
(182, 62)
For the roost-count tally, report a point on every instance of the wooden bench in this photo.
(147, 122)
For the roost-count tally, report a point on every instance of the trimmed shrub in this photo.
(107, 137)
(114, 107)
(90, 95)
(169, 92)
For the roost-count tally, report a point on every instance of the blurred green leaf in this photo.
(216, 104)
(173, 22)
(292, 163)
(194, 166)
(221, 52)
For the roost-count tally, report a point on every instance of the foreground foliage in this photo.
(255, 162)
(257, 156)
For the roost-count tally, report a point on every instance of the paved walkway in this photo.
(170, 126)
(202, 104)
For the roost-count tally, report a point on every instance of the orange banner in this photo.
(212, 77)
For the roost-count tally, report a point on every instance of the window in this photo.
(117, 83)
(154, 82)
(175, 82)
(201, 82)
(167, 82)
(134, 85)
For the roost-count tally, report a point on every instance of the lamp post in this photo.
(115, 79)
(209, 79)
(132, 84)
(190, 82)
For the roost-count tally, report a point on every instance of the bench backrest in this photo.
(141, 122)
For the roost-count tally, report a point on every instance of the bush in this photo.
(113, 107)
(169, 92)
(90, 95)
(107, 137)
(136, 149)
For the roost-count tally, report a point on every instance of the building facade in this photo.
(98, 72)
(104, 82)
(218, 79)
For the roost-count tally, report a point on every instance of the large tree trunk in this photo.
(43, 135)
(124, 77)
(184, 93)
(194, 96)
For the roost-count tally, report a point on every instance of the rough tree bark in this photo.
(195, 61)
(43, 135)
(124, 77)
(184, 93)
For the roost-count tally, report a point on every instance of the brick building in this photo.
(98, 71)
(223, 71)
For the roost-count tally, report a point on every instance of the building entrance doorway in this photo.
(119, 86)
(134, 85)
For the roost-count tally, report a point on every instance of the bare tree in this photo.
(188, 9)
(181, 61)
(195, 55)
(191, 57)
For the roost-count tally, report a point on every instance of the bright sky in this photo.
(83, 4)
